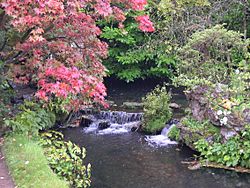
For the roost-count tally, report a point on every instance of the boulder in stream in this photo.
(86, 120)
(132, 105)
(174, 105)
(104, 124)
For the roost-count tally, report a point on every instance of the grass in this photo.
(28, 164)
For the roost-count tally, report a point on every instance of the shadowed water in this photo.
(127, 161)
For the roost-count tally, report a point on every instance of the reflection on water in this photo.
(127, 161)
(120, 91)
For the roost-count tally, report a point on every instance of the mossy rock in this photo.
(190, 131)
(174, 133)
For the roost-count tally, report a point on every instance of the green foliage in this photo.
(156, 110)
(193, 130)
(28, 165)
(169, 7)
(174, 133)
(210, 56)
(5, 95)
(195, 125)
(65, 158)
(235, 152)
(134, 54)
(31, 119)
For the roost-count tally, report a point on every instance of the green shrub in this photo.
(204, 126)
(28, 165)
(31, 119)
(134, 54)
(65, 158)
(156, 110)
(210, 56)
(174, 133)
(234, 152)
(5, 94)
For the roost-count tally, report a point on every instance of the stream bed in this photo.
(127, 161)
(121, 158)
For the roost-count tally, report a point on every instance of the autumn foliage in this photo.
(59, 46)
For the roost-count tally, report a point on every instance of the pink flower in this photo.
(41, 95)
(138, 4)
(145, 24)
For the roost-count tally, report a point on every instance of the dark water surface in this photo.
(127, 161)
(120, 91)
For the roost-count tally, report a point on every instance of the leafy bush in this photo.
(235, 152)
(31, 119)
(156, 110)
(5, 94)
(194, 125)
(65, 158)
(192, 130)
(210, 56)
(174, 133)
(134, 54)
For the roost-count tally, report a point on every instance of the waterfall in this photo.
(118, 122)
(119, 117)
(114, 122)
(162, 139)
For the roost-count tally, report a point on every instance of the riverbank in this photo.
(5, 177)
(28, 164)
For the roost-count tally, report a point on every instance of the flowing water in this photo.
(126, 160)
(121, 158)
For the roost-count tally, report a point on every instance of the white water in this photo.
(122, 122)
(114, 128)
(162, 139)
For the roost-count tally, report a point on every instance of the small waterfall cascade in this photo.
(119, 117)
(114, 122)
(119, 122)
(161, 139)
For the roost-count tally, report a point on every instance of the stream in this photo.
(121, 158)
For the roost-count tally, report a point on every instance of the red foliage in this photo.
(61, 50)
(145, 24)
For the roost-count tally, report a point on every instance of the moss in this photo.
(174, 133)
(192, 130)
(205, 128)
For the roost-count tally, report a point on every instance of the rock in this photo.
(112, 103)
(227, 133)
(194, 166)
(75, 123)
(28, 97)
(104, 125)
(234, 120)
(134, 126)
(198, 102)
(246, 115)
(188, 136)
(132, 105)
(174, 105)
(86, 120)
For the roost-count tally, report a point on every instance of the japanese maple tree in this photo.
(58, 46)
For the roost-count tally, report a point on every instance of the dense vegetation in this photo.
(60, 49)
(54, 47)
(215, 70)
(156, 110)
(28, 165)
